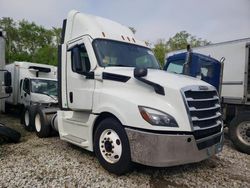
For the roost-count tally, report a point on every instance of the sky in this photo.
(213, 20)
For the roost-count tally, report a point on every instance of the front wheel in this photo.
(111, 146)
(239, 131)
(29, 117)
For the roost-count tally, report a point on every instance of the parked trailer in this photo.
(114, 100)
(6, 134)
(5, 76)
(235, 89)
(32, 84)
(2, 64)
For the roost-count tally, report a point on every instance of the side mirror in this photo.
(7, 79)
(8, 90)
(140, 72)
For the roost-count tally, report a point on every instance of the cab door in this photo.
(80, 85)
(25, 92)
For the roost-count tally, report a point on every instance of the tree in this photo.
(132, 29)
(179, 41)
(9, 26)
(160, 51)
(26, 41)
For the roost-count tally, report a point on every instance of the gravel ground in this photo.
(50, 162)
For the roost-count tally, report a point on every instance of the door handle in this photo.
(25, 94)
(71, 97)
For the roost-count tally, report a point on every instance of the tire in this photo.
(9, 135)
(42, 124)
(111, 146)
(239, 132)
(29, 117)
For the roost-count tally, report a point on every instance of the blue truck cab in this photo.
(200, 66)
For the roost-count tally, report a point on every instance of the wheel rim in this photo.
(38, 123)
(110, 146)
(243, 132)
(26, 118)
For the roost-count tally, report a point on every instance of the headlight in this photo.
(156, 117)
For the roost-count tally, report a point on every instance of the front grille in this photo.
(203, 106)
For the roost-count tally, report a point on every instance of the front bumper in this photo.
(162, 150)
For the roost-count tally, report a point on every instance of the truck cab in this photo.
(115, 100)
(200, 66)
(38, 90)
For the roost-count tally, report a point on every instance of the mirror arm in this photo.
(89, 75)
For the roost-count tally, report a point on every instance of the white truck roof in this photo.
(79, 24)
(25, 64)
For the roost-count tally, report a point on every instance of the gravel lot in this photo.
(50, 162)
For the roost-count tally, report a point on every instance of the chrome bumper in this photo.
(162, 150)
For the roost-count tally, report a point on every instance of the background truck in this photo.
(235, 88)
(32, 84)
(114, 100)
(6, 134)
(2, 65)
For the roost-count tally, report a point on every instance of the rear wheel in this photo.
(239, 131)
(111, 146)
(42, 124)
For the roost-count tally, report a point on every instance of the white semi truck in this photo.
(114, 100)
(235, 84)
(32, 84)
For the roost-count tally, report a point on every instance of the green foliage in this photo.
(160, 50)
(27, 41)
(132, 29)
(179, 41)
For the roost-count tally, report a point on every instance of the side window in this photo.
(206, 69)
(176, 66)
(26, 85)
(80, 59)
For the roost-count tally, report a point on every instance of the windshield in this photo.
(176, 66)
(48, 87)
(114, 53)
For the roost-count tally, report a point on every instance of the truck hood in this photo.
(161, 77)
(42, 98)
